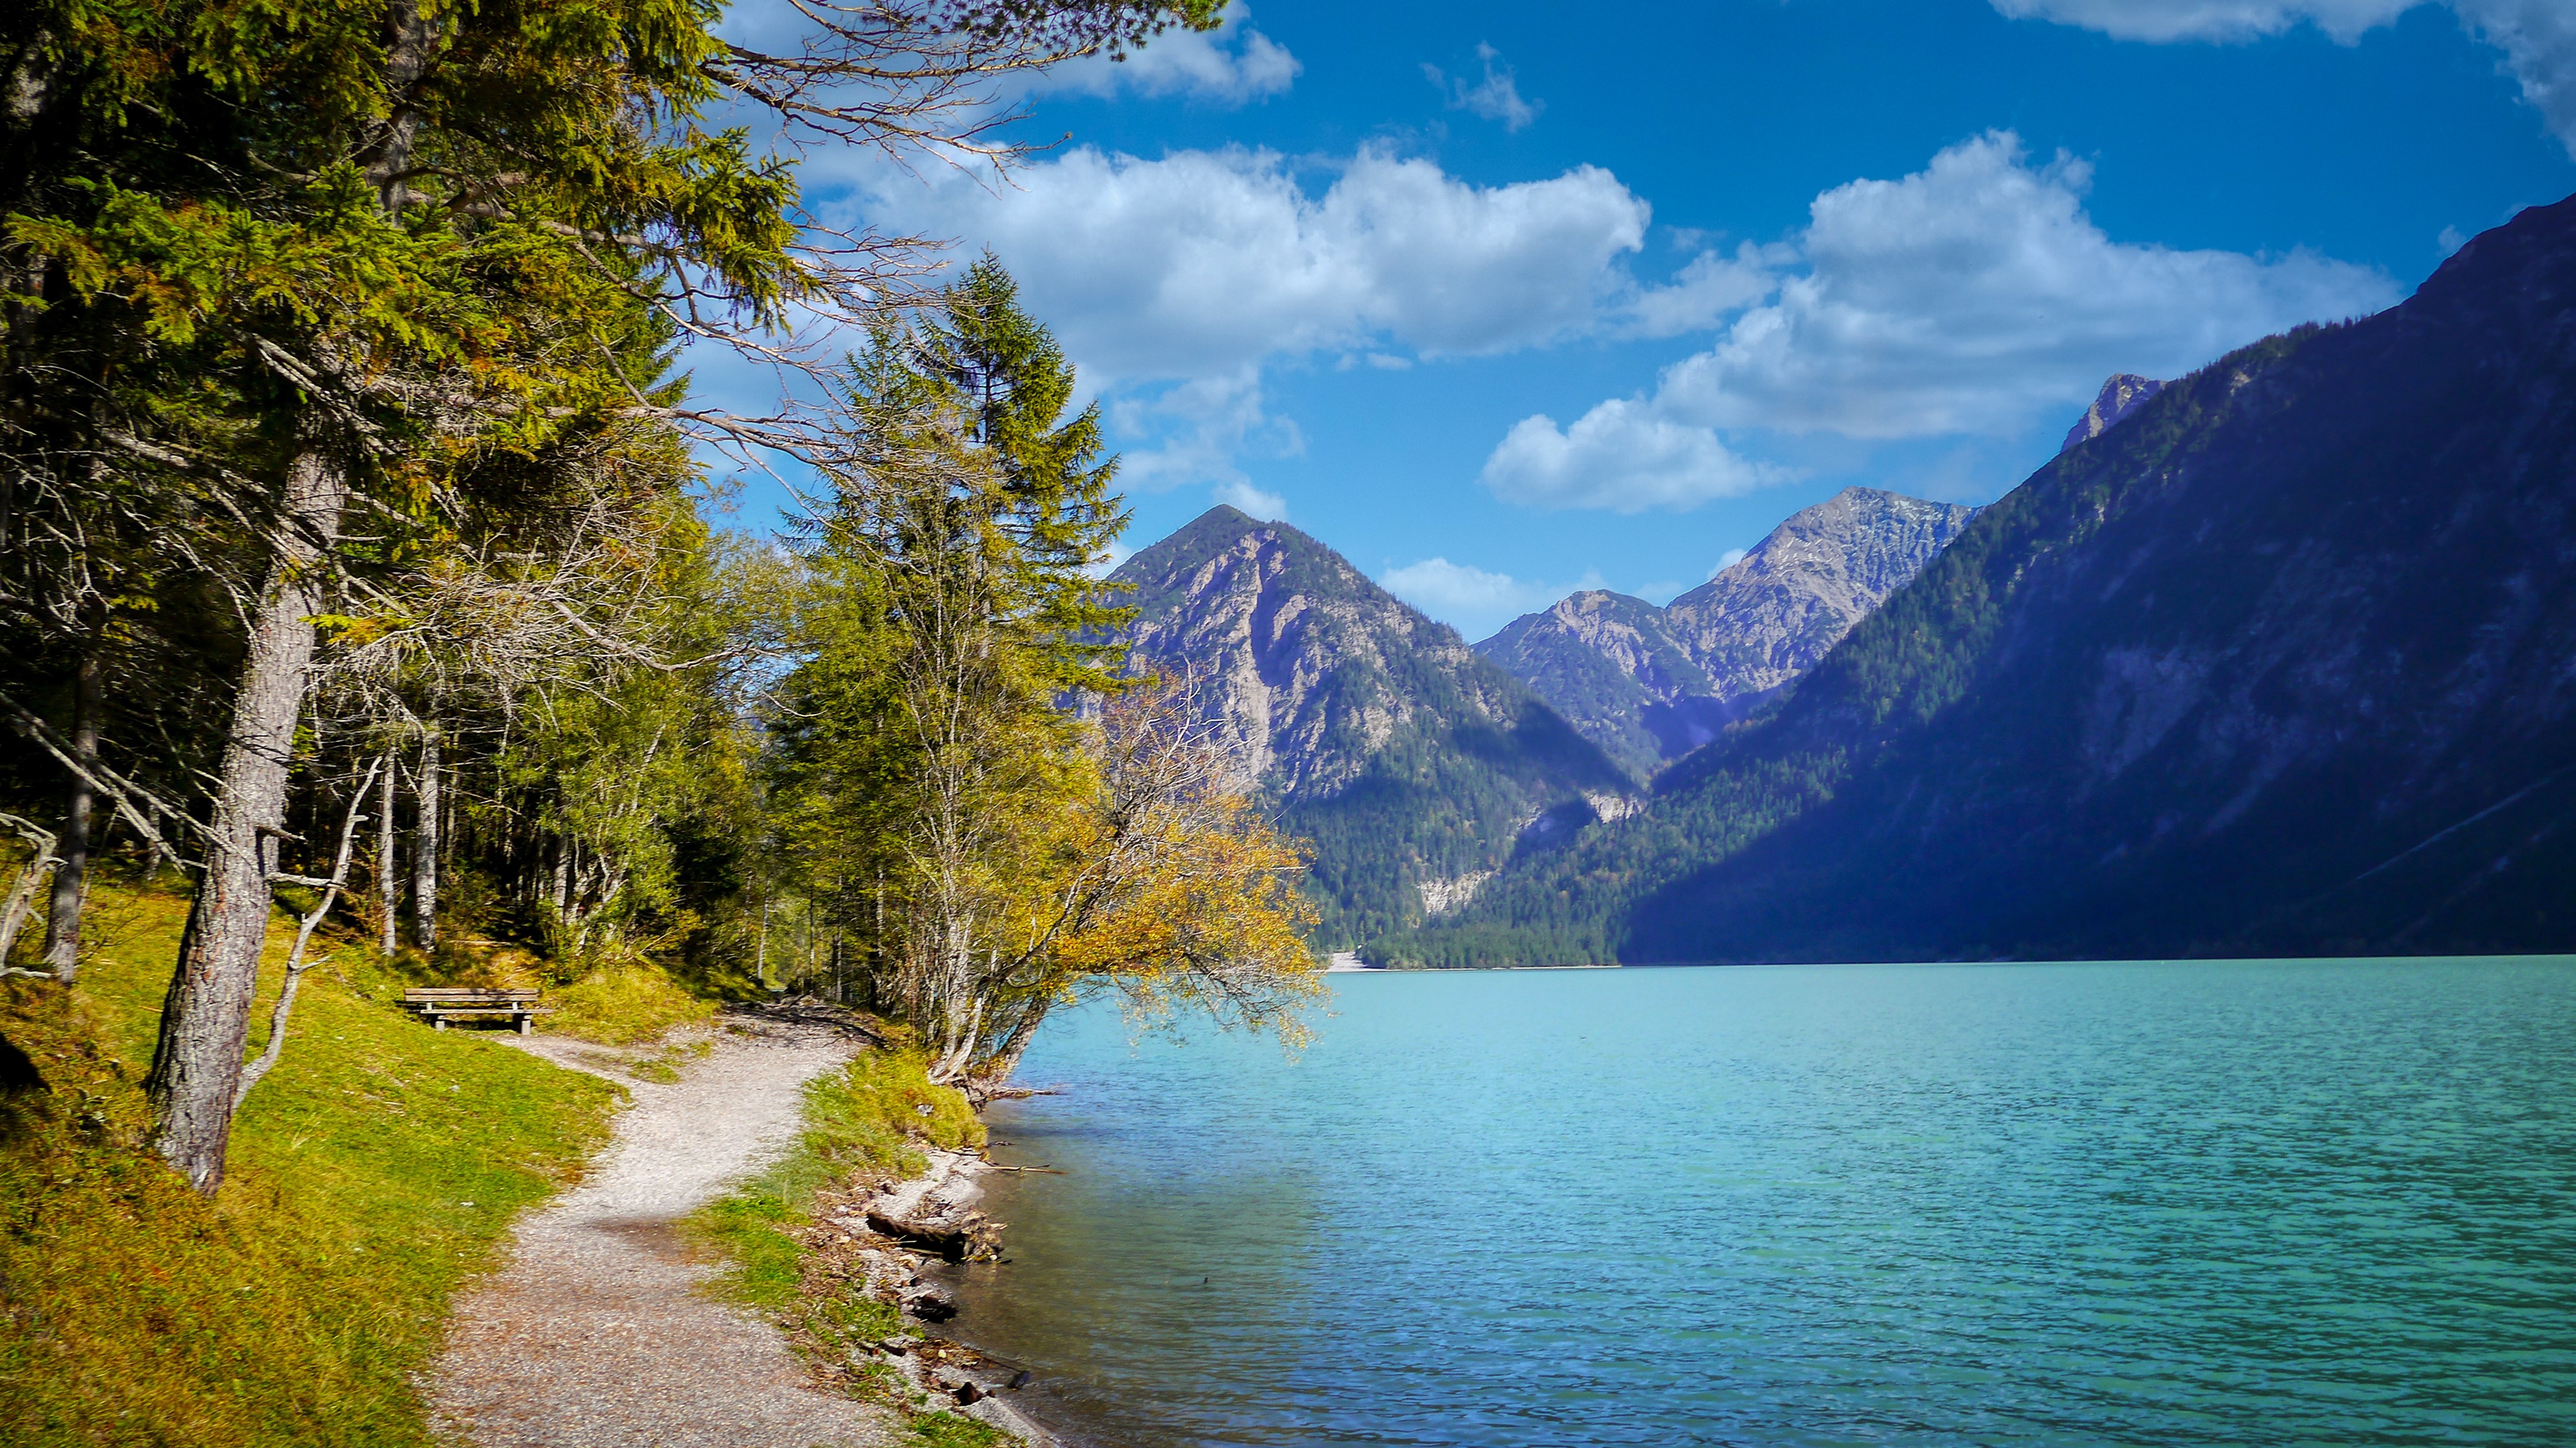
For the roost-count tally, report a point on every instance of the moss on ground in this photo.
(374, 1170)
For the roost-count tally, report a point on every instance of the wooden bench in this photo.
(436, 1003)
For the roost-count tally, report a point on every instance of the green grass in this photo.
(622, 1006)
(873, 1117)
(373, 1171)
(948, 1430)
(869, 1117)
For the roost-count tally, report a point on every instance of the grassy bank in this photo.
(869, 1121)
(377, 1167)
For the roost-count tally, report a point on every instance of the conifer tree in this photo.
(270, 264)
(930, 750)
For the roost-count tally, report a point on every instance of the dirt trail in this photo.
(597, 1335)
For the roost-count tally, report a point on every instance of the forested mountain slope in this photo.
(1606, 662)
(2284, 662)
(1413, 765)
(1649, 685)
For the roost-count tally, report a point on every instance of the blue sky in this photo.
(1501, 305)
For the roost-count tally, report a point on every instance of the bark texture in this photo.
(388, 878)
(296, 964)
(22, 893)
(71, 877)
(424, 844)
(205, 1019)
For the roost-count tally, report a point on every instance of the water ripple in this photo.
(2258, 1203)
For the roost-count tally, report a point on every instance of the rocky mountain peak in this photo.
(2123, 394)
(1257, 613)
(1649, 684)
(1373, 730)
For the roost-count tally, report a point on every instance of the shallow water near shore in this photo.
(2157, 1203)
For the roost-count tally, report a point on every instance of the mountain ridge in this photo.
(1650, 684)
(1412, 764)
(2276, 664)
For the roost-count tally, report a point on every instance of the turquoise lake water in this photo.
(2213, 1202)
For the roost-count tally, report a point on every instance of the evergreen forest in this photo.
(361, 552)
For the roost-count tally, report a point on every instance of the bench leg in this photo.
(438, 1023)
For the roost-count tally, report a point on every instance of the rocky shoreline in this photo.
(881, 1236)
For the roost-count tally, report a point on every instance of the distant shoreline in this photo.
(1348, 962)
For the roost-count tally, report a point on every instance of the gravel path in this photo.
(597, 1334)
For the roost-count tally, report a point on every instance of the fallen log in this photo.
(967, 1237)
(808, 1011)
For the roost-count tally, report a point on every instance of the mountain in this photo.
(1415, 767)
(1649, 684)
(2122, 395)
(2281, 663)
(1605, 661)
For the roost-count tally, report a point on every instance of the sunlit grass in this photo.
(376, 1168)
(874, 1116)
(620, 1006)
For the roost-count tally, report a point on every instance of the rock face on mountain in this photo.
(2284, 663)
(1768, 617)
(2122, 395)
(1414, 766)
(1650, 684)
(1605, 662)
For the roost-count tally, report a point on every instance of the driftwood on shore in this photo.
(811, 1011)
(958, 1236)
(981, 1092)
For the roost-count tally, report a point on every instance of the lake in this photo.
(2142, 1203)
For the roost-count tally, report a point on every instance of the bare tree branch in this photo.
(295, 964)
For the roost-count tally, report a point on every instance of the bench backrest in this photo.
(457, 995)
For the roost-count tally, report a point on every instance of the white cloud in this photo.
(1207, 261)
(1623, 456)
(1474, 601)
(2451, 240)
(1173, 282)
(1268, 507)
(1496, 98)
(1233, 66)
(1976, 296)
(1201, 427)
(2223, 20)
(1727, 560)
(2538, 37)
(1436, 585)
(1706, 290)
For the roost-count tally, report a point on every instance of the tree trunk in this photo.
(22, 895)
(997, 1068)
(205, 1018)
(424, 844)
(410, 41)
(388, 877)
(71, 877)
